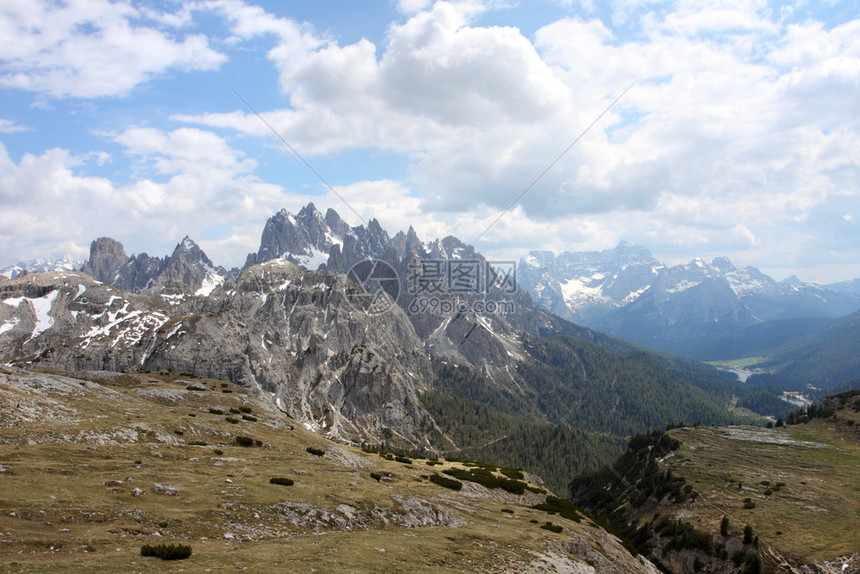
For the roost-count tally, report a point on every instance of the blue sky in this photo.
(740, 136)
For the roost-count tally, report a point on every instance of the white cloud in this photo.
(92, 48)
(10, 127)
(736, 114)
(742, 133)
(46, 202)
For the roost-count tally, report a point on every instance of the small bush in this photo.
(376, 476)
(214, 411)
(138, 461)
(249, 418)
(403, 459)
(245, 441)
(217, 451)
(246, 410)
(507, 511)
(514, 473)
(283, 481)
(533, 521)
(231, 420)
(191, 415)
(226, 391)
(178, 432)
(552, 527)
(315, 451)
(197, 443)
(234, 411)
(446, 482)
(166, 551)
(748, 503)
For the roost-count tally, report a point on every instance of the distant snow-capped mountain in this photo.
(684, 308)
(66, 263)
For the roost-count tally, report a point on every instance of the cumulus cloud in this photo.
(92, 48)
(741, 135)
(10, 127)
(45, 199)
(737, 112)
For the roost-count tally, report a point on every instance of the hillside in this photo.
(84, 487)
(823, 359)
(796, 487)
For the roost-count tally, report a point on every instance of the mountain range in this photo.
(400, 368)
(705, 310)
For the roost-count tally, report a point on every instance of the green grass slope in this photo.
(796, 487)
(96, 466)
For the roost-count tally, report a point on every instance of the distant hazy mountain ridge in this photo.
(692, 308)
(66, 263)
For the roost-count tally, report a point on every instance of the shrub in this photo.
(748, 534)
(138, 461)
(552, 527)
(514, 473)
(217, 451)
(178, 432)
(484, 477)
(724, 526)
(563, 508)
(403, 459)
(533, 521)
(166, 551)
(249, 418)
(246, 410)
(226, 391)
(197, 443)
(231, 420)
(376, 476)
(446, 482)
(214, 411)
(507, 511)
(245, 441)
(234, 411)
(283, 481)
(191, 415)
(748, 503)
(315, 451)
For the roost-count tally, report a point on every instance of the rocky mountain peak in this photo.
(107, 256)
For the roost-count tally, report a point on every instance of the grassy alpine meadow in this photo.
(97, 466)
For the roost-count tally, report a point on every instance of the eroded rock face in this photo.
(188, 265)
(107, 256)
(287, 333)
